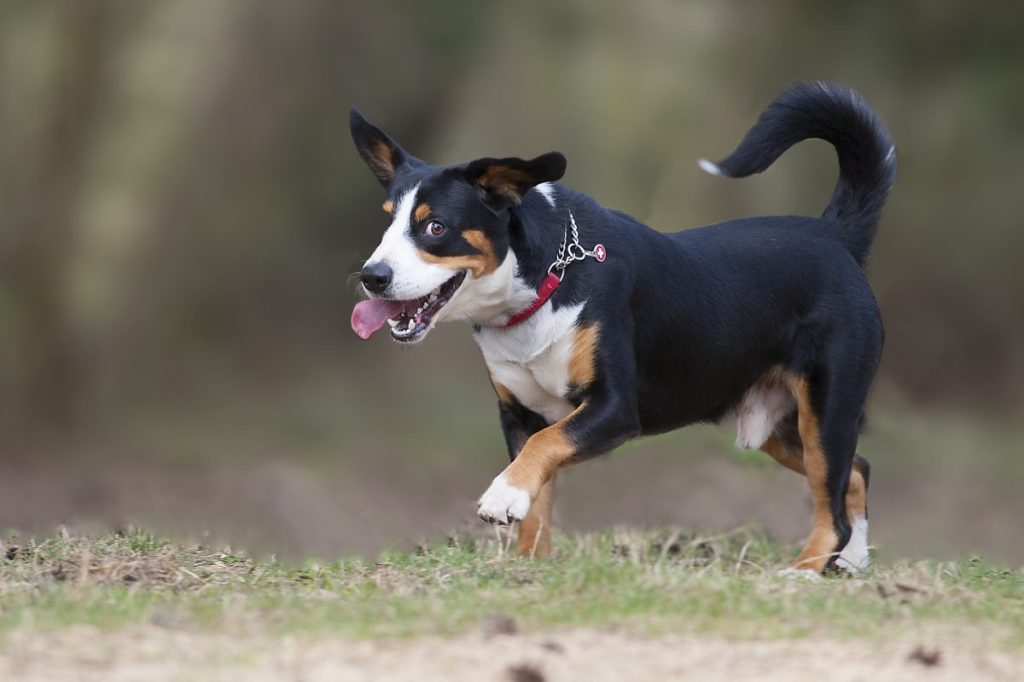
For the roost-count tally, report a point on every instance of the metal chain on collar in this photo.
(569, 252)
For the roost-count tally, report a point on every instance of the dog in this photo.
(597, 329)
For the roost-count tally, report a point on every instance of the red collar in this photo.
(547, 287)
(567, 253)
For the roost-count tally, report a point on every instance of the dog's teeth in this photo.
(432, 298)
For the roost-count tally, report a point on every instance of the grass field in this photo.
(639, 604)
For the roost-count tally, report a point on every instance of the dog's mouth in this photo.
(416, 318)
(409, 320)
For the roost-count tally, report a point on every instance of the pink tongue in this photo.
(369, 316)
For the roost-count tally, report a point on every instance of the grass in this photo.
(644, 581)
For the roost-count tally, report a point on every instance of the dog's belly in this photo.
(762, 408)
(531, 360)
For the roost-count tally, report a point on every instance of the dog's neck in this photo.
(535, 231)
(495, 296)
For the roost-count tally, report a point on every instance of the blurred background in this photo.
(181, 209)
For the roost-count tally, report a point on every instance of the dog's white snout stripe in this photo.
(412, 276)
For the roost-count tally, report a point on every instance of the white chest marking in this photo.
(531, 359)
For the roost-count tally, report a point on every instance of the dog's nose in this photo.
(376, 277)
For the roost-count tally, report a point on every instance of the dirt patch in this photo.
(155, 653)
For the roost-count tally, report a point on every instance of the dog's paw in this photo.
(793, 573)
(503, 503)
(855, 558)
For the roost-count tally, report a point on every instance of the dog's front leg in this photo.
(600, 423)
(518, 424)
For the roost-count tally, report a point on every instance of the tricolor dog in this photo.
(597, 329)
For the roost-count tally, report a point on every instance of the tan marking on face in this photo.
(422, 212)
(823, 540)
(480, 264)
(479, 241)
(474, 264)
(388, 206)
(535, 530)
(583, 361)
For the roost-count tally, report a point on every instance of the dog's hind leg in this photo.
(784, 444)
(830, 530)
(785, 448)
(828, 420)
(855, 557)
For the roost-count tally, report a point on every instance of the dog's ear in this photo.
(507, 180)
(380, 152)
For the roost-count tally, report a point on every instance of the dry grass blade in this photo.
(137, 560)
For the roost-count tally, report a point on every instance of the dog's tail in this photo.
(840, 116)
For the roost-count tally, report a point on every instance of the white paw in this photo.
(855, 557)
(799, 574)
(503, 503)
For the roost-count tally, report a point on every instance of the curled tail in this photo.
(840, 116)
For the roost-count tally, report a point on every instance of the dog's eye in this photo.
(435, 228)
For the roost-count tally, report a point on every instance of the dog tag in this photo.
(599, 253)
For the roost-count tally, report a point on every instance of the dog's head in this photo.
(446, 253)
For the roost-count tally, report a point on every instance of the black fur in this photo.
(689, 321)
